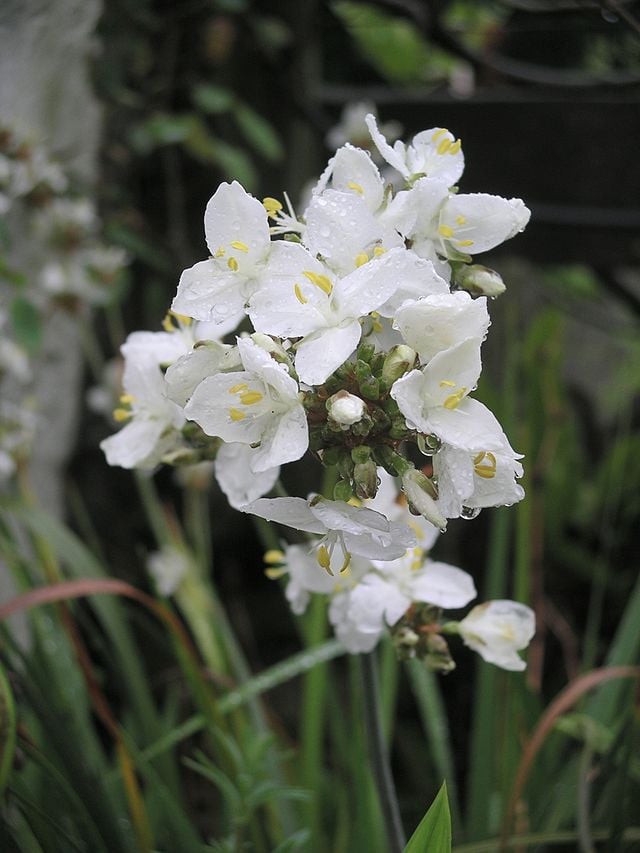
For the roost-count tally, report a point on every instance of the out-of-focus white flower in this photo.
(498, 630)
(352, 126)
(168, 567)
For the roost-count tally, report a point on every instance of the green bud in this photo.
(362, 371)
(365, 351)
(342, 491)
(365, 476)
(361, 454)
(480, 281)
(331, 455)
(394, 463)
(421, 494)
(399, 361)
(436, 654)
(370, 388)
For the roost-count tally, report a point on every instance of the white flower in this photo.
(237, 234)
(436, 323)
(345, 529)
(260, 404)
(476, 480)
(434, 400)
(497, 630)
(307, 577)
(325, 311)
(352, 126)
(168, 567)
(392, 503)
(434, 152)
(155, 420)
(236, 477)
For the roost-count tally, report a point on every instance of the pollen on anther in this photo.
(356, 187)
(236, 415)
(465, 243)
(460, 219)
(444, 146)
(236, 389)
(445, 231)
(319, 280)
(361, 259)
(455, 146)
(232, 264)
(241, 247)
(302, 299)
(249, 398)
(273, 557)
(440, 132)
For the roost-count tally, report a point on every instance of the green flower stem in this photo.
(379, 754)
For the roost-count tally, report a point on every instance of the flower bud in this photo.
(398, 362)
(345, 409)
(420, 493)
(497, 630)
(481, 281)
(437, 656)
(274, 348)
(365, 476)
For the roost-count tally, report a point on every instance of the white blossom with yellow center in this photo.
(259, 405)
(498, 630)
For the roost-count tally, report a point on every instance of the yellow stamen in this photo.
(232, 264)
(454, 400)
(445, 231)
(419, 532)
(126, 399)
(460, 219)
(236, 389)
(320, 281)
(353, 186)
(361, 259)
(377, 326)
(444, 146)
(378, 251)
(440, 132)
(241, 247)
(344, 569)
(455, 147)
(167, 323)
(299, 294)
(485, 464)
(273, 556)
(324, 559)
(236, 414)
(465, 242)
(274, 573)
(272, 206)
(353, 501)
(121, 415)
(219, 253)
(447, 383)
(250, 397)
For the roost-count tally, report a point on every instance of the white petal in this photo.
(470, 427)
(453, 371)
(453, 470)
(435, 153)
(292, 512)
(205, 292)
(232, 215)
(258, 361)
(238, 481)
(163, 347)
(214, 407)
(395, 156)
(488, 220)
(137, 445)
(417, 278)
(439, 322)
(285, 440)
(323, 352)
(443, 585)
(354, 171)
(187, 373)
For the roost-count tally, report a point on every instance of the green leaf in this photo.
(259, 133)
(10, 275)
(212, 99)
(7, 730)
(434, 830)
(26, 322)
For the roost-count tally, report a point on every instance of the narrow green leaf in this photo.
(434, 830)
(7, 729)
(212, 99)
(259, 133)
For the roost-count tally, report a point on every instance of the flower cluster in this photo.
(367, 316)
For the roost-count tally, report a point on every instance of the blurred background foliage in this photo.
(545, 97)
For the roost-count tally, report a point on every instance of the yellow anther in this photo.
(378, 251)
(444, 146)
(121, 415)
(232, 264)
(445, 231)
(465, 243)
(324, 559)
(236, 414)
(126, 399)
(344, 569)
(460, 219)
(353, 186)
(353, 501)
(455, 147)
(415, 565)
(361, 259)
(273, 556)
(320, 281)
(454, 400)
(377, 326)
(272, 206)
(440, 132)
(419, 532)
(485, 464)
(447, 383)
(302, 299)
(249, 398)
(241, 247)
(274, 573)
(167, 323)
(236, 389)
(219, 253)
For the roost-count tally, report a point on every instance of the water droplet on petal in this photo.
(469, 512)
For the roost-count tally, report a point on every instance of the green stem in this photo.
(379, 754)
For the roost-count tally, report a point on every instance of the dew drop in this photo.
(469, 512)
